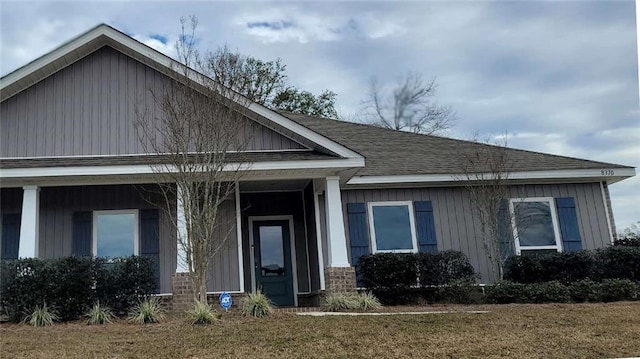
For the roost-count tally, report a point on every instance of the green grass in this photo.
(507, 331)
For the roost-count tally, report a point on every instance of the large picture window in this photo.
(535, 225)
(115, 233)
(392, 227)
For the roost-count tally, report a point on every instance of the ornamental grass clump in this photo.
(257, 305)
(202, 314)
(41, 316)
(368, 302)
(338, 302)
(99, 314)
(147, 311)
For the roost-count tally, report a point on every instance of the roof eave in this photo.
(609, 175)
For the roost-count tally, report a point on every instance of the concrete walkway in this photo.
(322, 314)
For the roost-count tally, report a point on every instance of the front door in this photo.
(272, 253)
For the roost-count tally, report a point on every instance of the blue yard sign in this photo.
(225, 300)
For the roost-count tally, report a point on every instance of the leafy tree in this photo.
(265, 82)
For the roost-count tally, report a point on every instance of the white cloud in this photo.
(168, 48)
(292, 24)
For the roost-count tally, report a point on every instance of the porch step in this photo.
(298, 309)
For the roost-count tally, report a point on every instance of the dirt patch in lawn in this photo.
(509, 331)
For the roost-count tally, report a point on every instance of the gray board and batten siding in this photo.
(89, 108)
(458, 229)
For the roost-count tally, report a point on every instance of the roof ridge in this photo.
(476, 143)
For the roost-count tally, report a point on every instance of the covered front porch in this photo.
(288, 231)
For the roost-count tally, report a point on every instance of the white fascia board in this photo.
(613, 173)
(170, 63)
(54, 55)
(150, 169)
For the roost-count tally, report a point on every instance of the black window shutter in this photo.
(10, 236)
(568, 221)
(82, 234)
(425, 227)
(150, 239)
(505, 234)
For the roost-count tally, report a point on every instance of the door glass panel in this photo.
(272, 251)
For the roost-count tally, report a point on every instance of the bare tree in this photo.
(409, 107)
(197, 131)
(485, 171)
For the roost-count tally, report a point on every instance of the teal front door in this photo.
(272, 253)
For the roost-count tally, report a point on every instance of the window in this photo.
(115, 233)
(535, 225)
(392, 227)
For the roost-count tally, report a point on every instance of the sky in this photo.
(558, 77)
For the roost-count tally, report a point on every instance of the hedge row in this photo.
(398, 278)
(503, 292)
(617, 262)
(71, 285)
(609, 290)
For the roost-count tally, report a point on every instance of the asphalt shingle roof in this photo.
(389, 152)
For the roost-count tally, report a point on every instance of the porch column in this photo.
(30, 222)
(336, 240)
(181, 227)
(339, 275)
(182, 288)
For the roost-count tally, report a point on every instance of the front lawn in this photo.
(514, 331)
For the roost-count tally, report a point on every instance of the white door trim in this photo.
(292, 243)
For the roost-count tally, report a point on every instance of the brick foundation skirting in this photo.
(182, 289)
(340, 279)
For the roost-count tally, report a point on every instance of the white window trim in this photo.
(412, 224)
(554, 220)
(136, 235)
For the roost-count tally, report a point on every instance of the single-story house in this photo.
(320, 193)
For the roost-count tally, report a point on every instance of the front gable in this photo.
(89, 109)
(81, 99)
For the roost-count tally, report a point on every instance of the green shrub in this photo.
(614, 290)
(202, 313)
(458, 291)
(41, 316)
(504, 292)
(99, 314)
(388, 270)
(256, 305)
(618, 262)
(586, 290)
(339, 302)
(72, 285)
(404, 278)
(445, 267)
(565, 267)
(549, 292)
(147, 311)
(627, 242)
